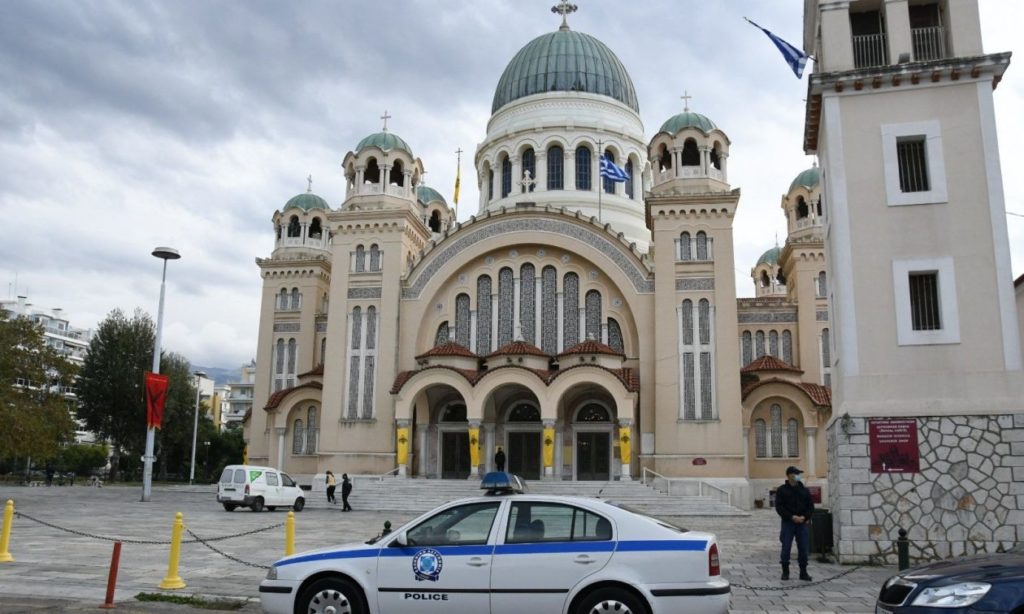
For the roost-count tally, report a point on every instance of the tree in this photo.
(83, 458)
(34, 415)
(111, 386)
(174, 439)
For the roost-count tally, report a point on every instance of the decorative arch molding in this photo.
(447, 251)
(782, 391)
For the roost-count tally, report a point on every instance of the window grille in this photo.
(570, 310)
(773, 343)
(689, 385)
(687, 322)
(353, 387)
(357, 327)
(702, 246)
(776, 416)
(442, 334)
(821, 285)
(924, 301)
(375, 257)
(311, 430)
(760, 439)
(748, 348)
(298, 437)
(592, 305)
(291, 357)
(759, 344)
(462, 320)
(279, 367)
(582, 168)
(792, 438)
(684, 247)
(629, 182)
(706, 412)
(826, 350)
(787, 346)
(506, 177)
(528, 303)
(505, 306)
(549, 310)
(360, 259)
(608, 184)
(913, 164)
(704, 320)
(490, 184)
(615, 340)
(295, 298)
(368, 375)
(483, 315)
(323, 350)
(556, 168)
(282, 300)
(371, 327)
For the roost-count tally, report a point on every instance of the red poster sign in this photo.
(156, 394)
(893, 446)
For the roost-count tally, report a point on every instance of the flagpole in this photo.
(458, 176)
(600, 180)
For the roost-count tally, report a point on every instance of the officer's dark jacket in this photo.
(793, 501)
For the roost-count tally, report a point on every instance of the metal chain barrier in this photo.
(146, 542)
(205, 542)
(799, 586)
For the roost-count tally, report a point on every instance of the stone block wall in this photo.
(968, 497)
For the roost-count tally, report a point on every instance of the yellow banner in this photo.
(549, 447)
(403, 445)
(474, 447)
(625, 443)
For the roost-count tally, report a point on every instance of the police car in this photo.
(509, 552)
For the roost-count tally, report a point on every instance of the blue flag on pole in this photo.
(796, 58)
(610, 171)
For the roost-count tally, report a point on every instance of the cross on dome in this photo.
(385, 117)
(563, 8)
(309, 186)
(686, 101)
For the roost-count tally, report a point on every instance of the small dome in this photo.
(688, 119)
(565, 61)
(769, 257)
(386, 141)
(427, 195)
(307, 202)
(808, 179)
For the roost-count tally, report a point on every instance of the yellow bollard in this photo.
(289, 534)
(5, 535)
(173, 580)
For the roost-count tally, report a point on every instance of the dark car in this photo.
(982, 583)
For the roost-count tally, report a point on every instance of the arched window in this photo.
(528, 303)
(792, 438)
(702, 246)
(615, 340)
(776, 416)
(312, 432)
(570, 310)
(282, 299)
(582, 168)
(801, 208)
(592, 304)
(454, 413)
(773, 343)
(442, 334)
(687, 322)
(490, 183)
(524, 412)
(556, 168)
(371, 327)
(748, 348)
(506, 306)
(822, 287)
(665, 157)
(765, 279)
(374, 257)
(298, 437)
(760, 439)
(690, 155)
(704, 321)
(529, 166)
(818, 206)
(295, 298)
(395, 177)
(826, 350)
(462, 320)
(549, 310)
(629, 180)
(357, 327)
(685, 252)
(279, 364)
(291, 358)
(360, 259)
(592, 412)
(759, 344)
(372, 172)
(435, 222)
(716, 157)
(608, 184)
(506, 176)
(787, 346)
(315, 230)
(483, 315)
(323, 350)
(294, 228)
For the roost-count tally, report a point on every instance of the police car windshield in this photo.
(660, 523)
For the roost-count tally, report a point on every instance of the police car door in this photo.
(546, 550)
(445, 564)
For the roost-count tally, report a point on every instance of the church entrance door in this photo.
(524, 454)
(592, 456)
(454, 455)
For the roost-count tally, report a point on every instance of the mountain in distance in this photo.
(220, 375)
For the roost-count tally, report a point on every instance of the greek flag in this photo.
(610, 171)
(796, 58)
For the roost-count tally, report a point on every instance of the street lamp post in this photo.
(165, 254)
(195, 427)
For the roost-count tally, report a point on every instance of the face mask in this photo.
(798, 478)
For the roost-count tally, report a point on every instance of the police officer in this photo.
(499, 459)
(793, 504)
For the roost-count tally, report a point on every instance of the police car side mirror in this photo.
(401, 541)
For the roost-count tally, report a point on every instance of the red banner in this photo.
(893, 446)
(156, 394)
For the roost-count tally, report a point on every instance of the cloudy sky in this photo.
(127, 125)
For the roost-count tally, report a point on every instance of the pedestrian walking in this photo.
(49, 475)
(499, 459)
(793, 504)
(332, 483)
(346, 490)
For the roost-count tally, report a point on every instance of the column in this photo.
(517, 331)
(385, 172)
(569, 170)
(402, 447)
(474, 449)
(537, 302)
(360, 173)
(542, 171)
(280, 430)
(724, 160)
(494, 319)
(583, 317)
(421, 451)
(812, 470)
(489, 447)
(472, 330)
(560, 320)
(559, 446)
(626, 447)
(517, 175)
(677, 158)
(548, 441)
(746, 452)
(407, 184)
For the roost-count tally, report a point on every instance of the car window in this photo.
(271, 479)
(531, 522)
(239, 476)
(456, 526)
(225, 477)
(286, 480)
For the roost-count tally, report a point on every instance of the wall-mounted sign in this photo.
(700, 461)
(893, 446)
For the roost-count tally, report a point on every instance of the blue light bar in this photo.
(501, 482)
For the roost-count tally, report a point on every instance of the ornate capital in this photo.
(402, 424)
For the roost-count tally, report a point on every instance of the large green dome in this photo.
(808, 179)
(688, 119)
(385, 141)
(307, 202)
(565, 61)
(769, 257)
(428, 195)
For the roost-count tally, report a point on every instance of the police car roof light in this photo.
(502, 483)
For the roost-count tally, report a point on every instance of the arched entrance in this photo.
(523, 431)
(453, 441)
(592, 429)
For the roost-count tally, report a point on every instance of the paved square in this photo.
(54, 564)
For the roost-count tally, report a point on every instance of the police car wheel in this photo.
(331, 596)
(608, 600)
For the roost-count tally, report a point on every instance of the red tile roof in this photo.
(591, 347)
(518, 348)
(275, 399)
(448, 348)
(630, 378)
(820, 395)
(769, 363)
(317, 370)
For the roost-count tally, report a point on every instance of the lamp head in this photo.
(200, 374)
(166, 253)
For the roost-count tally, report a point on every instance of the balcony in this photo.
(870, 50)
(316, 242)
(929, 43)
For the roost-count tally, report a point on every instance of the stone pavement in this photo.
(58, 570)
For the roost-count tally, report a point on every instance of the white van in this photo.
(257, 488)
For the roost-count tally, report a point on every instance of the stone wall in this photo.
(968, 497)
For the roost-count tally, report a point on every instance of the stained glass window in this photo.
(582, 168)
(615, 340)
(704, 320)
(773, 343)
(291, 356)
(549, 310)
(689, 388)
(787, 346)
(776, 415)
(442, 334)
(556, 168)
(687, 322)
(593, 315)
(702, 246)
(822, 287)
(360, 259)
(570, 310)
(629, 182)
(295, 298)
(748, 348)
(609, 185)
(506, 177)
(298, 435)
(759, 344)
(483, 315)
(323, 350)
(792, 438)
(357, 327)
(505, 306)
(684, 246)
(760, 439)
(279, 367)
(312, 432)
(462, 320)
(528, 303)
(826, 349)
(371, 327)
(353, 386)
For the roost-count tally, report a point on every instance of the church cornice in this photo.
(295, 268)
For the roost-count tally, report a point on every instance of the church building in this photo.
(588, 327)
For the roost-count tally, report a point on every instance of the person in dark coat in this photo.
(346, 490)
(793, 504)
(499, 459)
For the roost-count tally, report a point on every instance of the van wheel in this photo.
(229, 507)
(299, 504)
(331, 595)
(257, 505)
(271, 508)
(610, 600)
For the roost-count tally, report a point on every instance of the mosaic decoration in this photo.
(570, 310)
(528, 303)
(690, 284)
(769, 317)
(549, 310)
(483, 315)
(462, 320)
(364, 292)
(617, 303)
(641, 279)
(287, 327)
(541, 253)
(506, 304)
(615, 340)
(513, 253)
(821, 315)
